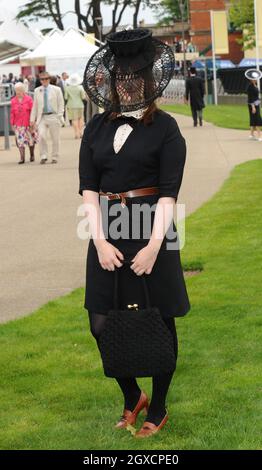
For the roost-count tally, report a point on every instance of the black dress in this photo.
(152, 155)
(252, 98)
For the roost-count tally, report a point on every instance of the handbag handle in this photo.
(145, 288)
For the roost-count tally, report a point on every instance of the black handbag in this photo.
(136, 342)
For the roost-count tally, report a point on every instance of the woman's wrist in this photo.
(99, 242)
(155, 244)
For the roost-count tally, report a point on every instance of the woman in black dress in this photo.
(132, 156)
(253, 101)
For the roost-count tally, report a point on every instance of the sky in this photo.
(70, 20)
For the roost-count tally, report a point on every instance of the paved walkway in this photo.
(41, 256)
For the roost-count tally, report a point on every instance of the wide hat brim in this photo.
(253, 74)
(143, 65)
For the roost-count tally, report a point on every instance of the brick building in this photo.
(197, 29)
(200, 28)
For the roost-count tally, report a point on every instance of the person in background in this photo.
(182, 45)
(62, 83)
(74, 96)
(47, 113)
(190, 47)
(10, 78)
(90, 109)
(177, 45)
(31, 83)
(253, 102)
(53, 80)
(21, 106)
(37, 81)
(26, 84)
(195, 90)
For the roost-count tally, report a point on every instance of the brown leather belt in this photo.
(131, 193)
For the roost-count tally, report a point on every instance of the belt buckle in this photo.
(115, 194)
(119, 196)
(122, 199)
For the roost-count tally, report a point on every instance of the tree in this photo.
(154, 4)
(241, 14)
(36, 9)
(86, 21)
(51, 10)
(168, 12)
(118, 8)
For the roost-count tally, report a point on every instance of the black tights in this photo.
(129, 386)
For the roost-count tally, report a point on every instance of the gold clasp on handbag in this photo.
(132, 306)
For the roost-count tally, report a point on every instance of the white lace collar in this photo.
(125, 130)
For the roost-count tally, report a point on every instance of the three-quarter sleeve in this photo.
(172, 161)
(88, 173)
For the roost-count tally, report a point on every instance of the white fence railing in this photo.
(174, 92)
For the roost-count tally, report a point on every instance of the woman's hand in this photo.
(109, 256)
(144, 260)
(253, 110)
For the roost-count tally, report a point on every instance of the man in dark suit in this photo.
(62, 83)
(195, 90)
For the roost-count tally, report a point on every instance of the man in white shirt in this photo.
(47, 113)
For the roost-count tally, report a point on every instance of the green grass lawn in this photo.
(53, 391)
(231, 117)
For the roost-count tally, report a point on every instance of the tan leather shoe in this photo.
(150, 428)
(129, 417)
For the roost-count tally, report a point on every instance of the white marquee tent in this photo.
(38, 55)
(61, 51)
(15, 37)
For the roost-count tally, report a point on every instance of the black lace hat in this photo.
(130, 71)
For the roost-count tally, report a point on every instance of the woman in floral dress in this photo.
(21, 105)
